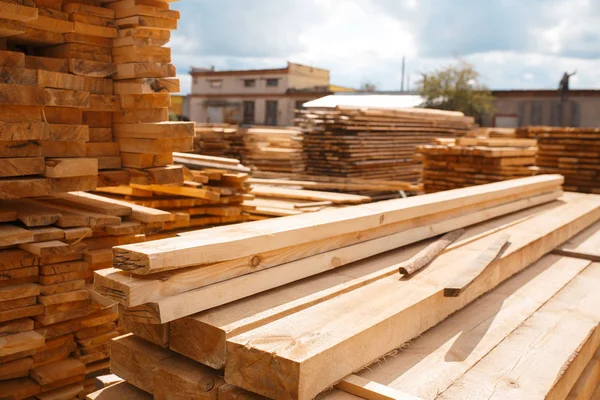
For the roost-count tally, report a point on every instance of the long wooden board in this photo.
(278, 360)
(290, 264)
(209, 247)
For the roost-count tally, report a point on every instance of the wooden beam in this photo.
(559, 358)
(370, 390)
(278, 369)
(586, 245)
(474, 331)
(305, 260)
(258, 236)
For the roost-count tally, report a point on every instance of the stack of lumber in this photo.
(472, 161)
(220, 140)
(373, 143)
(288, 310)
(274, 149)
(42, 136)
(208, 197)
(66, 126)
(572, 152)
(144, 79)
(54, 333)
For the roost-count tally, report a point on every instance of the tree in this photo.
(368, 86)
(456, 87)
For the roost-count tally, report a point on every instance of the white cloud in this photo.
(514, 44)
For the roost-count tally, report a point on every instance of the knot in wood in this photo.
(255, 261)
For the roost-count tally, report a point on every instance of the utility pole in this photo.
(402, 85)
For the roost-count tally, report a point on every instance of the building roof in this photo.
(199, 72)
(545, 93)
(397, 101)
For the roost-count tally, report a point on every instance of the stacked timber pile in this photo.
(289, 310)
(54, 332)
(277, 201)
(373, 143)
(274, 149)
(208, 197)
(572, 152)
(471, 161)
(221, 140)
(85, 91)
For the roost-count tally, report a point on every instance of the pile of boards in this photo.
(209, 196)
(54, 331)
(286, 311)
(572, 152)
(373, 143)
(84, 96)
(274, 149)
(219, 140)
(468, 161)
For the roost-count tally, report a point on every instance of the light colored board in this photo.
(588, 381)
(139, 213)
(315, 256)
(585, 245)
(452, 347)
(419, 298)
(370, 390)
(11, 235)
(258, 236)
(523, 366)
(19, 342)
(94, 203)
(154, 130)
(70, 167)
(14, 167)
(313, 195)
(186, 303)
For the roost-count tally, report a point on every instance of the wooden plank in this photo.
(260, 239)
(507, 369)
(151, 368)
(146, 115)
(17, 12)
(300, 194)
(44, 234)
(588, 381)
(186, 303)
(322, 255)
(144, 70)
(67, 98)
(13, 167)
(19, 342)
(586, 245)
(423, 299)
(139, 213)
(23, 131)
(22, 95)
(18, 389)
(371, 390)
(94, 203)
(8, 293)
(69, 167)
(89, 68)
(475, 268)
(11, 235)
(147, 85)
(23, 187)
(155, 130)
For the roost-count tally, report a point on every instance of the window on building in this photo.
(273, 82)
(248, 112)
(216, 83)
(249, 82)
(271, 114)
(195, 80)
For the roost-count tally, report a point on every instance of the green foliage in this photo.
(456, 87)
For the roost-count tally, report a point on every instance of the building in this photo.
(544, 107)
(260, 97)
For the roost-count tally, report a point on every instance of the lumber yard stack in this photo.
(85, 90)
(274, 149)
(373, 143)
(572, 152)
(286, 311)
(219, 140)
(54, 332)
(468, 161)
(208, 197)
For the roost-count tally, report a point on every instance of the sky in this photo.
(514, 44)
